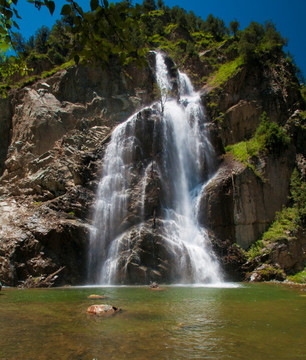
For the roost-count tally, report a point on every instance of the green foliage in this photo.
(41, 38)
(275, 138)
(215, 26)
(287, 222)
(250, 40)
(125, 32)
(299, 278)
(269, 138)
(257, 40)
(234, 26)
(244, 151)
(255, 250)
(37, 203)
(298, 193)
(225, 72)
(269, 272)
(284, 227)
(303, 93)
(149, 5)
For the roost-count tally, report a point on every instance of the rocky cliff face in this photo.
(52, 134)
(52, 139)
(240, 204)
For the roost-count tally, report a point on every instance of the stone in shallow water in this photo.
(94, 297)
(154, 286)
(157, 289)
(103, 309)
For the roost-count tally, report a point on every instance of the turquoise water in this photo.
(256, 321)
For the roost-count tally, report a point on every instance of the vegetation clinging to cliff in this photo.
(288, 222)
(299, 278)
(269, 138)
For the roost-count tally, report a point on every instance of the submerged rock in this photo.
(94, 297)
(157, 289)
(103, 309)
(154, 286)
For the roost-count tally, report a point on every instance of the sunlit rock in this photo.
(103, 309)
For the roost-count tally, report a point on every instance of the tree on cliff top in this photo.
(126, 32)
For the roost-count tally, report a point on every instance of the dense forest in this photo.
(128, 32)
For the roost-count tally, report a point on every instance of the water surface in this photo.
(256, 321)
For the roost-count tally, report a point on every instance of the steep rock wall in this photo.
(239, 101)
(53, 135)
(238, 205)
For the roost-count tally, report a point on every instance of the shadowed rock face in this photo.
(238, 205)
(5, 126)
(53, 136)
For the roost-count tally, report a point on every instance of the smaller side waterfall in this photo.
(112, 199)
(154, 170)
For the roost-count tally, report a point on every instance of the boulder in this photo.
(103, 309)
(267, 272)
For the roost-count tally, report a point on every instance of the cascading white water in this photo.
(186, 150)
(186, 155)
(111, 204)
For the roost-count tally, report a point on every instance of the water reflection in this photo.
(178, 323)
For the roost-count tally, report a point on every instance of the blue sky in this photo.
(289, 17)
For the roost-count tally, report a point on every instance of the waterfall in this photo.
(184, 162)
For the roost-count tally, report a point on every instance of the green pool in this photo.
(256, 321)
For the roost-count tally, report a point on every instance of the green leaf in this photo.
(16, 25)
(16, 13)
(2, 30)
(4, 3)
(8, 13)
(51, 6)
(94, 4)
(77, 21)
(66, 10)
(4, 46)
(76, 59)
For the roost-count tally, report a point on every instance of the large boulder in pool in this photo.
(103, 309)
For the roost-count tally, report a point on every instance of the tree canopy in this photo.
(127, 32)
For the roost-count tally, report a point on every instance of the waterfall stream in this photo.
(183, 163)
